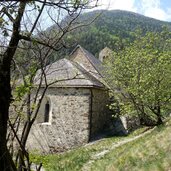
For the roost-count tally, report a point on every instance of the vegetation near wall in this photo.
(140, 76)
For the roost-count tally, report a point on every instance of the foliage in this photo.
(141, 75)
(114, 29)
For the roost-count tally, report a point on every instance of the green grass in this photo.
(151, 152)
(74, 159)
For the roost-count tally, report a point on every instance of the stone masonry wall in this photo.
(100, 113)
(69, 121)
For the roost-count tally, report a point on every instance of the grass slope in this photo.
(150, 152)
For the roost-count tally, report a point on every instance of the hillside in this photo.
(149, 150)
(112, 28)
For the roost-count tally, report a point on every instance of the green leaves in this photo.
(22, 90)
(142, 72)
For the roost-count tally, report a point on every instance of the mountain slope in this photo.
(113, 29)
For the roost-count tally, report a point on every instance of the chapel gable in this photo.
(85, 59)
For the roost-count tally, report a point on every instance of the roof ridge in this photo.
(87, 53)
(65, 72)
(78, 46)
(86, 73)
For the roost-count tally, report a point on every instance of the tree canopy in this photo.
(140, 76)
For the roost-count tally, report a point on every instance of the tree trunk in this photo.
(6, 162)
(159, 118)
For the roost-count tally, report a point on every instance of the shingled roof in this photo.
(65, 73)
(70, 73)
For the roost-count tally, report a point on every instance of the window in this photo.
(46, 113)
(45, 110)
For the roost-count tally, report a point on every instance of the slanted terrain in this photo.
(114, 29)
(144, 149)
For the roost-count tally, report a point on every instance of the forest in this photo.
(114, 29)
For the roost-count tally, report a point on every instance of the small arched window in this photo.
(46, 112)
